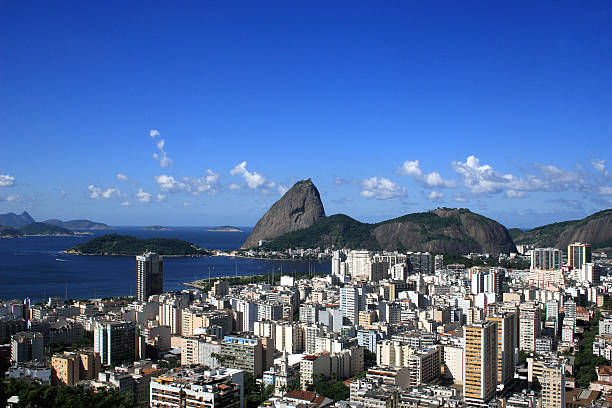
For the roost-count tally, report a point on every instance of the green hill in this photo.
(8, 232)
(40, 228)
(595, 229)
(445, 230)
(115, 244)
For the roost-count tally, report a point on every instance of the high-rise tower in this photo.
(480, 364)
(150, 275)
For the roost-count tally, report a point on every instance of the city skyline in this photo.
(205, 115)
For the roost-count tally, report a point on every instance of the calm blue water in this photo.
(29, 267)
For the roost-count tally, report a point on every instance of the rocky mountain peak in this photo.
(297, 209)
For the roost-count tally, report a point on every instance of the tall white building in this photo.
(358, 262)
(352, 300)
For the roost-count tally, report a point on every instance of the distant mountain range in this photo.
(298, 220)
(17, 221)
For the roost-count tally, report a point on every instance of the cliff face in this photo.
(595, 229)
(298, 208)
(445, 230)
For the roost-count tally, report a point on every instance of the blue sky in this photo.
(390, 108)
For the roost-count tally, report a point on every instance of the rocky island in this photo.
(115, 244)
(225, 228)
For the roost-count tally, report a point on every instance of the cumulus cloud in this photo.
(433, 179)
(122, 177)
(282, 189)
(194, 185)
(161, 156)
(435, 195)
(102, 193)
(6, 180)
(252, 179)
(234, 187)
(484, 179)
(143, 196)
(160, 197)
(381, 188)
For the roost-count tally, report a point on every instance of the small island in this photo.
(225, 228)
(43, 229)
(115, 244)
(155, 228)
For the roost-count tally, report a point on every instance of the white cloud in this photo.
(10, 198)
(515, 194)
(381, 189)
(122, 177)
(102, 193)
(433, 179)
(599, 165)
(435, 195)
(143, 196)
(162, 156)
(483, 179)
(459, 198)
(253, 180)
(282, 189)
(193, 185)
(234, 187)
(605, 190)
(125, 203)
(6, 180)
(160, 197)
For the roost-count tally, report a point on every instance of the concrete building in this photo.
(506, 324)
(71, 367)
(480, 363)
(223, 388)
(200, 350)
(530, 325)
(546, 258)
(578, 254)
(352, 301)
(26, 346)
(115, 341)
(549, 373)
(150, 275)
(247, 353)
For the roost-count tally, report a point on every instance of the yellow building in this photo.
(367, 317)
(70, 368)
(506, 324)
(480, 364)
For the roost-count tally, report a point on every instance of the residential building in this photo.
(480, 363)
(26, 346)
(150, 275)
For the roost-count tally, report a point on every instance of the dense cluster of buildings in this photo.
(401, 330)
